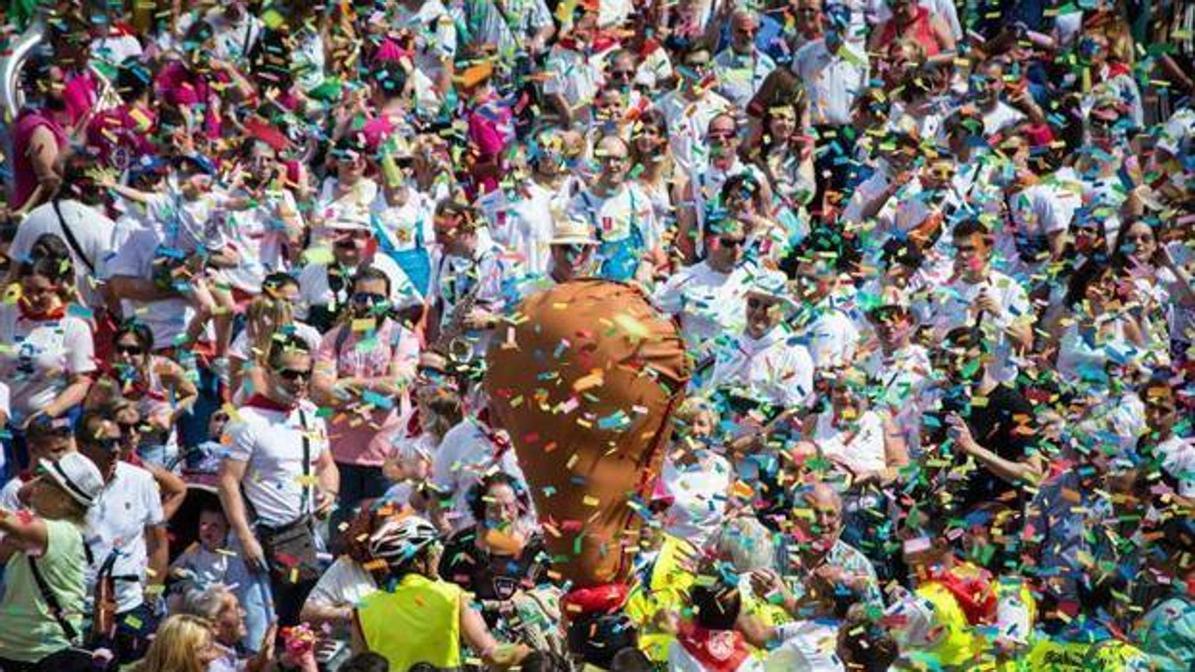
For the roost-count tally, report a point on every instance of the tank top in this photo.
(919, 30)
(417, 622)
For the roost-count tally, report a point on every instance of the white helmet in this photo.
(397, 542)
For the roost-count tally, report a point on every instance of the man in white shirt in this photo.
(823, 325)
(468, 452)
(91, 237)
(834, 73)
(741, 68)
(577, 65)
(707, 297)
(125, 537)
(762, 365)
(621, 215)
(690, 109)
(978, 295)
(278, 474)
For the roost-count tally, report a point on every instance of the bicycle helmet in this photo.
(397, 542)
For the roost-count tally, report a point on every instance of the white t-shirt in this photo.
(708, 303)
(1178, 459)
(271, 442)
(613, 216)
(343, 585)
(8, 494)
(953, 306)
(523, 222)
(258, 234)
(93, 231)
(1000, 118)
(698, 494)
(116, 523)
(858, 444)
(166, 318)
(768, 369)
(466, 454)
(38, 358)
(807, 646)
(575, 76)
(688, 124)
(832, 339)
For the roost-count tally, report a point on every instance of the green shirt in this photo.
(30, 631)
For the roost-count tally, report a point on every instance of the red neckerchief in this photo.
(606, 598)
(26, 314)
(716, 650)
(262, 401)
(414, 426)
(973, 589)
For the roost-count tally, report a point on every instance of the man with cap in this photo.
(47, 439)
(707, 297)
(45, 587)
(324, 286)
(761, 365)
(127, 526)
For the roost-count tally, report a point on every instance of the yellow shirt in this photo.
(420, 622)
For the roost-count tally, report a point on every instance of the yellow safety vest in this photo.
(419, 622)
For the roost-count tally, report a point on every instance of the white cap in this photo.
(77, 475)
(769, 283)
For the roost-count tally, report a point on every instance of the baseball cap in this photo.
(77, 475)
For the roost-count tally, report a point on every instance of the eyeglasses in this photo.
(621, 74)
(368, 298)
(294, 375)
(720, 135)
(612, 158)
(732, 241)
(573, 249)
(746, 31)
(123, 349)
(127, 428)
(756, 303)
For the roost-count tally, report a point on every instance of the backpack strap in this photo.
(51, 600)
(70, 238)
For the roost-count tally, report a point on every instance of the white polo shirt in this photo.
(116, 523)
(707, 302)
(94, 232)
(271, 442)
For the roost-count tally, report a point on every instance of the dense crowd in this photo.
(269, 268)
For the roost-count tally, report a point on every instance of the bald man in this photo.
(819, 575)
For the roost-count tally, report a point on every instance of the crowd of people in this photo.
(930, 261)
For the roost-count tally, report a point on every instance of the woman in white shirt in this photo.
(48, 354)
(854, 437)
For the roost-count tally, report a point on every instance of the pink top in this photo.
(118, 130)
(180, 87)
(24, 179)
(80, 95)
(367, 441)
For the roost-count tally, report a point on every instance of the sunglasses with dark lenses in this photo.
(294, 375)
(731, 241)
(128, 428)
(721, 135)
(110, 444)
(368, 298)
(621, 74)
(128, 349)
(886, 315)
(756, 303)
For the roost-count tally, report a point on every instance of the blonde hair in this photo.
(177, 645)
(688, 411)
(264, 316)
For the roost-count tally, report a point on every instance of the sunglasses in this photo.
(108, 443)
(756, 303)
(294, 375)
(720, 135)
(368, 298)
(128, 349)
(732, 241)
(621, 74)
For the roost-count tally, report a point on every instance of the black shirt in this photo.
(1005, 425)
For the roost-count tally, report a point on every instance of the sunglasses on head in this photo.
(294, 375)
